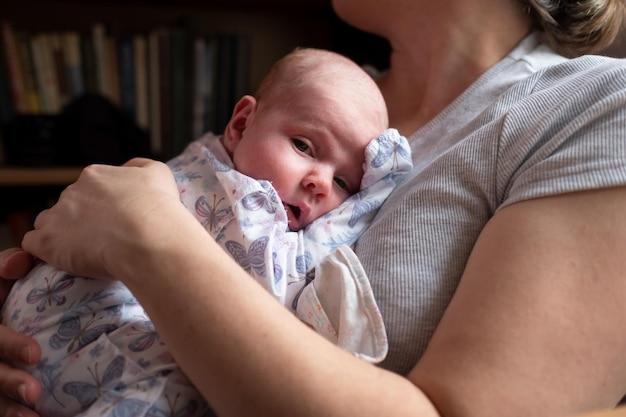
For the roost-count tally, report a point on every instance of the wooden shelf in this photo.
(14, 176)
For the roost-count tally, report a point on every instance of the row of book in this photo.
(171, 81)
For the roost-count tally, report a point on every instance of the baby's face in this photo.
(311, 148)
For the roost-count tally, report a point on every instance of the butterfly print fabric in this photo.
(101, 353)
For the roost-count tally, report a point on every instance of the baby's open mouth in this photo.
(295, 210)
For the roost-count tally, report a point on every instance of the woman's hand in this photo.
(16, 385)
(105, 217)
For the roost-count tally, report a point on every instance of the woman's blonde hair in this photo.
(575, 27)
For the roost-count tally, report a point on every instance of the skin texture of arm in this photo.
(531, 331)
(536, 325)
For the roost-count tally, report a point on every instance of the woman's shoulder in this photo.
(589, 84)
(532, 67)
(582, 72)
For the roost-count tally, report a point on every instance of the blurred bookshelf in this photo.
(165, 71)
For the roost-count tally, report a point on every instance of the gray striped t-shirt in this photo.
(535, 124)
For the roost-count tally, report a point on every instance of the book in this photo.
(13, 70)
(22, 43)
(51, 78)
(140, 48)
(45, 72)
(6, 102)
(40, 73)
(154, 81)
(180, 115)
(89, 70)
(204, 86)
(58, 65)
(101, 59)
(71, 42)
(164, 89)
(115, 92)
(126, 74)
(200, 86)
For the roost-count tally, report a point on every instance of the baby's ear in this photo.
(242, 114)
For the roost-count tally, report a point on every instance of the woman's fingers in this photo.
(11, 408)
(16, 347)
(17, 387)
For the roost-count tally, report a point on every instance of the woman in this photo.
(512, 225)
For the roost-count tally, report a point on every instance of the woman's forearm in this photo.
(244, 351)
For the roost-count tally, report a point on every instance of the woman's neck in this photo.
(435, 60)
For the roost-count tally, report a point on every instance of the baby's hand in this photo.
(386, 157)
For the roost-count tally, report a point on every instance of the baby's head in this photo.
(306, 130)
(327, 73)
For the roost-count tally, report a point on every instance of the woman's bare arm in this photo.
(244, 351)
(535, 328)
(538, 323)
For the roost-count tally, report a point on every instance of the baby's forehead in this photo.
(351, 91)
(360, 91)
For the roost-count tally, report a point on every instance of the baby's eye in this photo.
(341, 183)
(301, 145)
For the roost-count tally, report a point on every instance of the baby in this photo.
(297, 175)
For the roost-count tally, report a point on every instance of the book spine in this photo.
(178, 105)
(73, 64)
(89, 70)
(58, 61)
(115, 93)
(204, 86)
(28, 71)
(200, 87)
(51, 81)
(141, 80)
(154, 80)
(6, 102)
(126, 73)
(101, 60)
(164, 88)
(210, 76)
(36, 48)
(13, 68)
